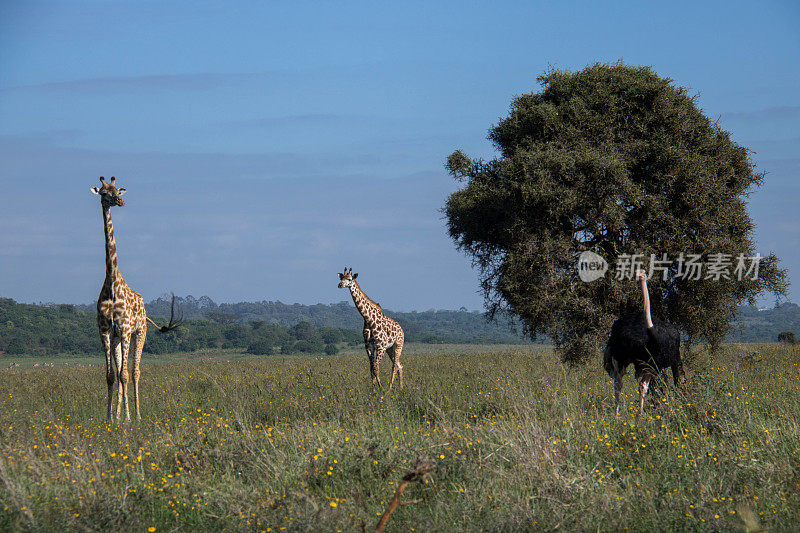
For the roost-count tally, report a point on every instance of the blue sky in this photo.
(265, 145)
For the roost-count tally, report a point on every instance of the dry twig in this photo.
(422, 466)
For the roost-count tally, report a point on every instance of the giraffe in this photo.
(121, 316)
(381, 333)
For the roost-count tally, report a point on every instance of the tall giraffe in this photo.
(381, 333)
(121, 316)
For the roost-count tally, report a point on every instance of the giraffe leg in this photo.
(617, 390)
(369, 346)
(367, 339)
(380, 349)
(105, 338)
(394, 354)
(137, 360)
(373, 366)
(123, 374)
(391, 351)
(116, 345)
(643, 386)
(398, 350)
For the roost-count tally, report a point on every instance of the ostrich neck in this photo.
(646, 296)
(111, 246)
(363, 303)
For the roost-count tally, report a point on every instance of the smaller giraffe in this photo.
(381, 333)
(121, 316)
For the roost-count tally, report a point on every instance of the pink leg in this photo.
(643, 386)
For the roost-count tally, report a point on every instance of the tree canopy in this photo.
(618, 161)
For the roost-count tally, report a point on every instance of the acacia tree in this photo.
(616, 160)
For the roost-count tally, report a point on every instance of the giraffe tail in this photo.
(173, 324)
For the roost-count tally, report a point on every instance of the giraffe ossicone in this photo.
(381, 333)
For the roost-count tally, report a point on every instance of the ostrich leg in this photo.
(643, 386)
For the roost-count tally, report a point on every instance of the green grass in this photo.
(305, 443)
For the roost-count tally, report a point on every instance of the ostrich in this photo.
(649, 343)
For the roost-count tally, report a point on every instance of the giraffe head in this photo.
(347, 278)
(110, 195)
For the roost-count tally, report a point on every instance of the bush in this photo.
(261, 348)
(331, 349)
(305, 346)
(305, 331)
(16, 347)
(331, 335)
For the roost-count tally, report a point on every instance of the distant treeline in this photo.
(275, 327)
(37, 330)
(427, 326)
(261, 328)
(765, 326)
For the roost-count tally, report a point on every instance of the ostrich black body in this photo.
(631, 341)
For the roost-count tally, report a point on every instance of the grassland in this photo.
(304, 443)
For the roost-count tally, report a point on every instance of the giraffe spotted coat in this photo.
(381, 333)
(121, 316)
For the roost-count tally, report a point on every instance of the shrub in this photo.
(331, 349)
(306, 346)
(261, 348)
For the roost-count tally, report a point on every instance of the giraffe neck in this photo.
(111, 246)
(365, 306)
